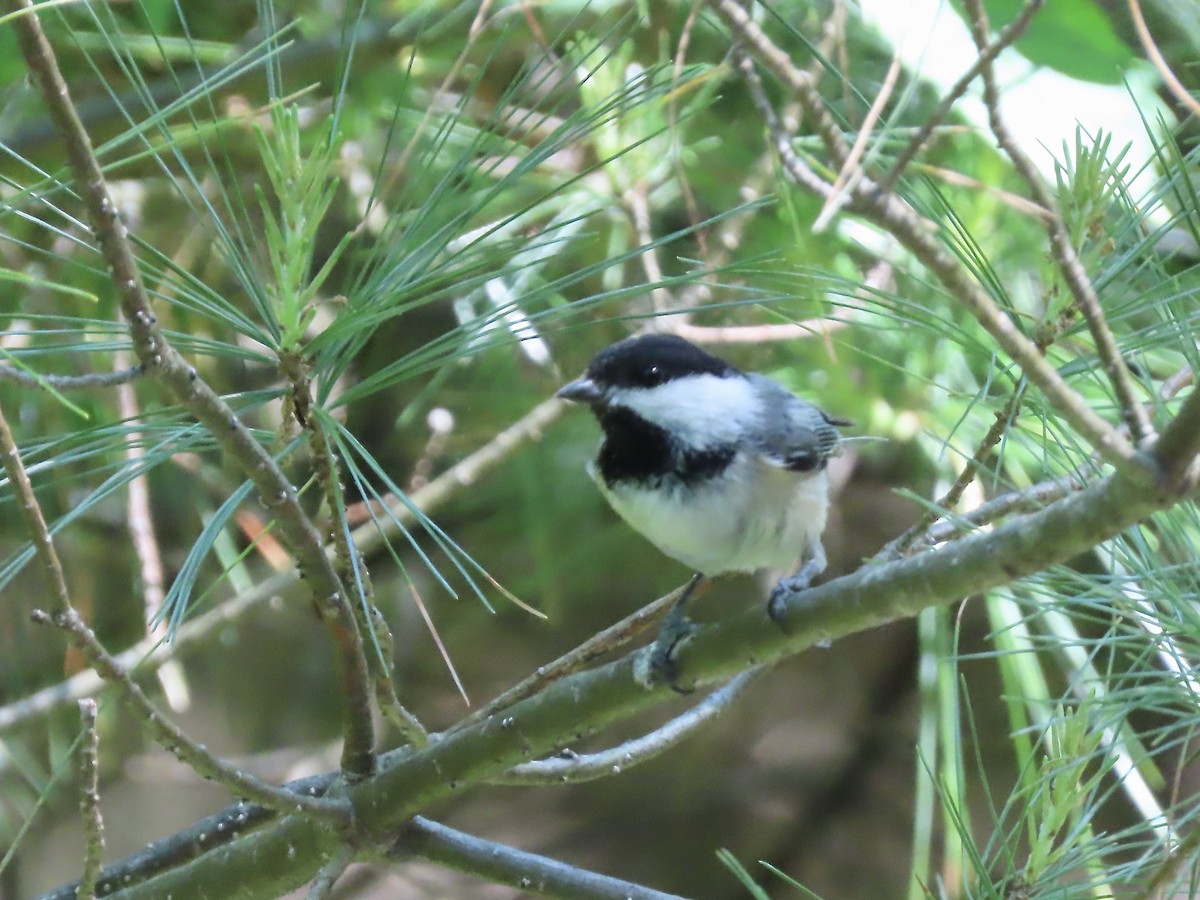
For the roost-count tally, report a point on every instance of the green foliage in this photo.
(1073, 37)
(393, 218)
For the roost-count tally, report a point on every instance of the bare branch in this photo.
(781, 137)
(637, 203)
(850, 172)
(1028, 500)
(1170, 79)
(756, 334)
(31, 511)
(371, 535)
(147, 655)
(571, 767)
(589, 651)
(144, 540)
(89, 801)
(70, 382)
(504, 865)
(1004, 419)
(1177, 448)
(798, 81)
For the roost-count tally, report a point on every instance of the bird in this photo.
(722, 470)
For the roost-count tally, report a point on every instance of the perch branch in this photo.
(266, 860)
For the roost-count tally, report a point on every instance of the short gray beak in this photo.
(581, 390)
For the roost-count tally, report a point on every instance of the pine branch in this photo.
(160, 360)
(285, 854)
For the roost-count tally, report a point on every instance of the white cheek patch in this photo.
(699, 410)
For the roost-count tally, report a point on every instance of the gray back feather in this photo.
(794, 433)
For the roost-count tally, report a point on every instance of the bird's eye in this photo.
(654, 374)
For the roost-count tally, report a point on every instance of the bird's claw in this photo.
(656, 664)
(782, 594)
(785, 592)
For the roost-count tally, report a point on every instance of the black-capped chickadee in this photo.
(722, 470)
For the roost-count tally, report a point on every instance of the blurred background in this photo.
(500, 190)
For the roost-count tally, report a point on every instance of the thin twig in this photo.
(322, 886)
(1061, 248)
(850, 173)
(162, 361)
(1023, 205)
(756, 334)
(175, 741)
(1004, 418)
(31, 511)
(1008, 36)
(1170, 79)
(140, 522)
(677, 156)
(1025, 500)
(146, 656)
(89, 801)
(529, 872)
(798, 81)
(637, 203)
(1029, 499)
(70, 382)
(728, 238)
(1176, 382)
(781, 137)
(369, 536)
(440, 422)
(474, 30)
(572, 767)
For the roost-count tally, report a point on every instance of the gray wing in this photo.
(794, 434)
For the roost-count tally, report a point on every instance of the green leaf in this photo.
(1069, 36)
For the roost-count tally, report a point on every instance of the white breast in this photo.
(755, 517)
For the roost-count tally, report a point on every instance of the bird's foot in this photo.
(656, 664)
(783, 597)
(782, 594)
